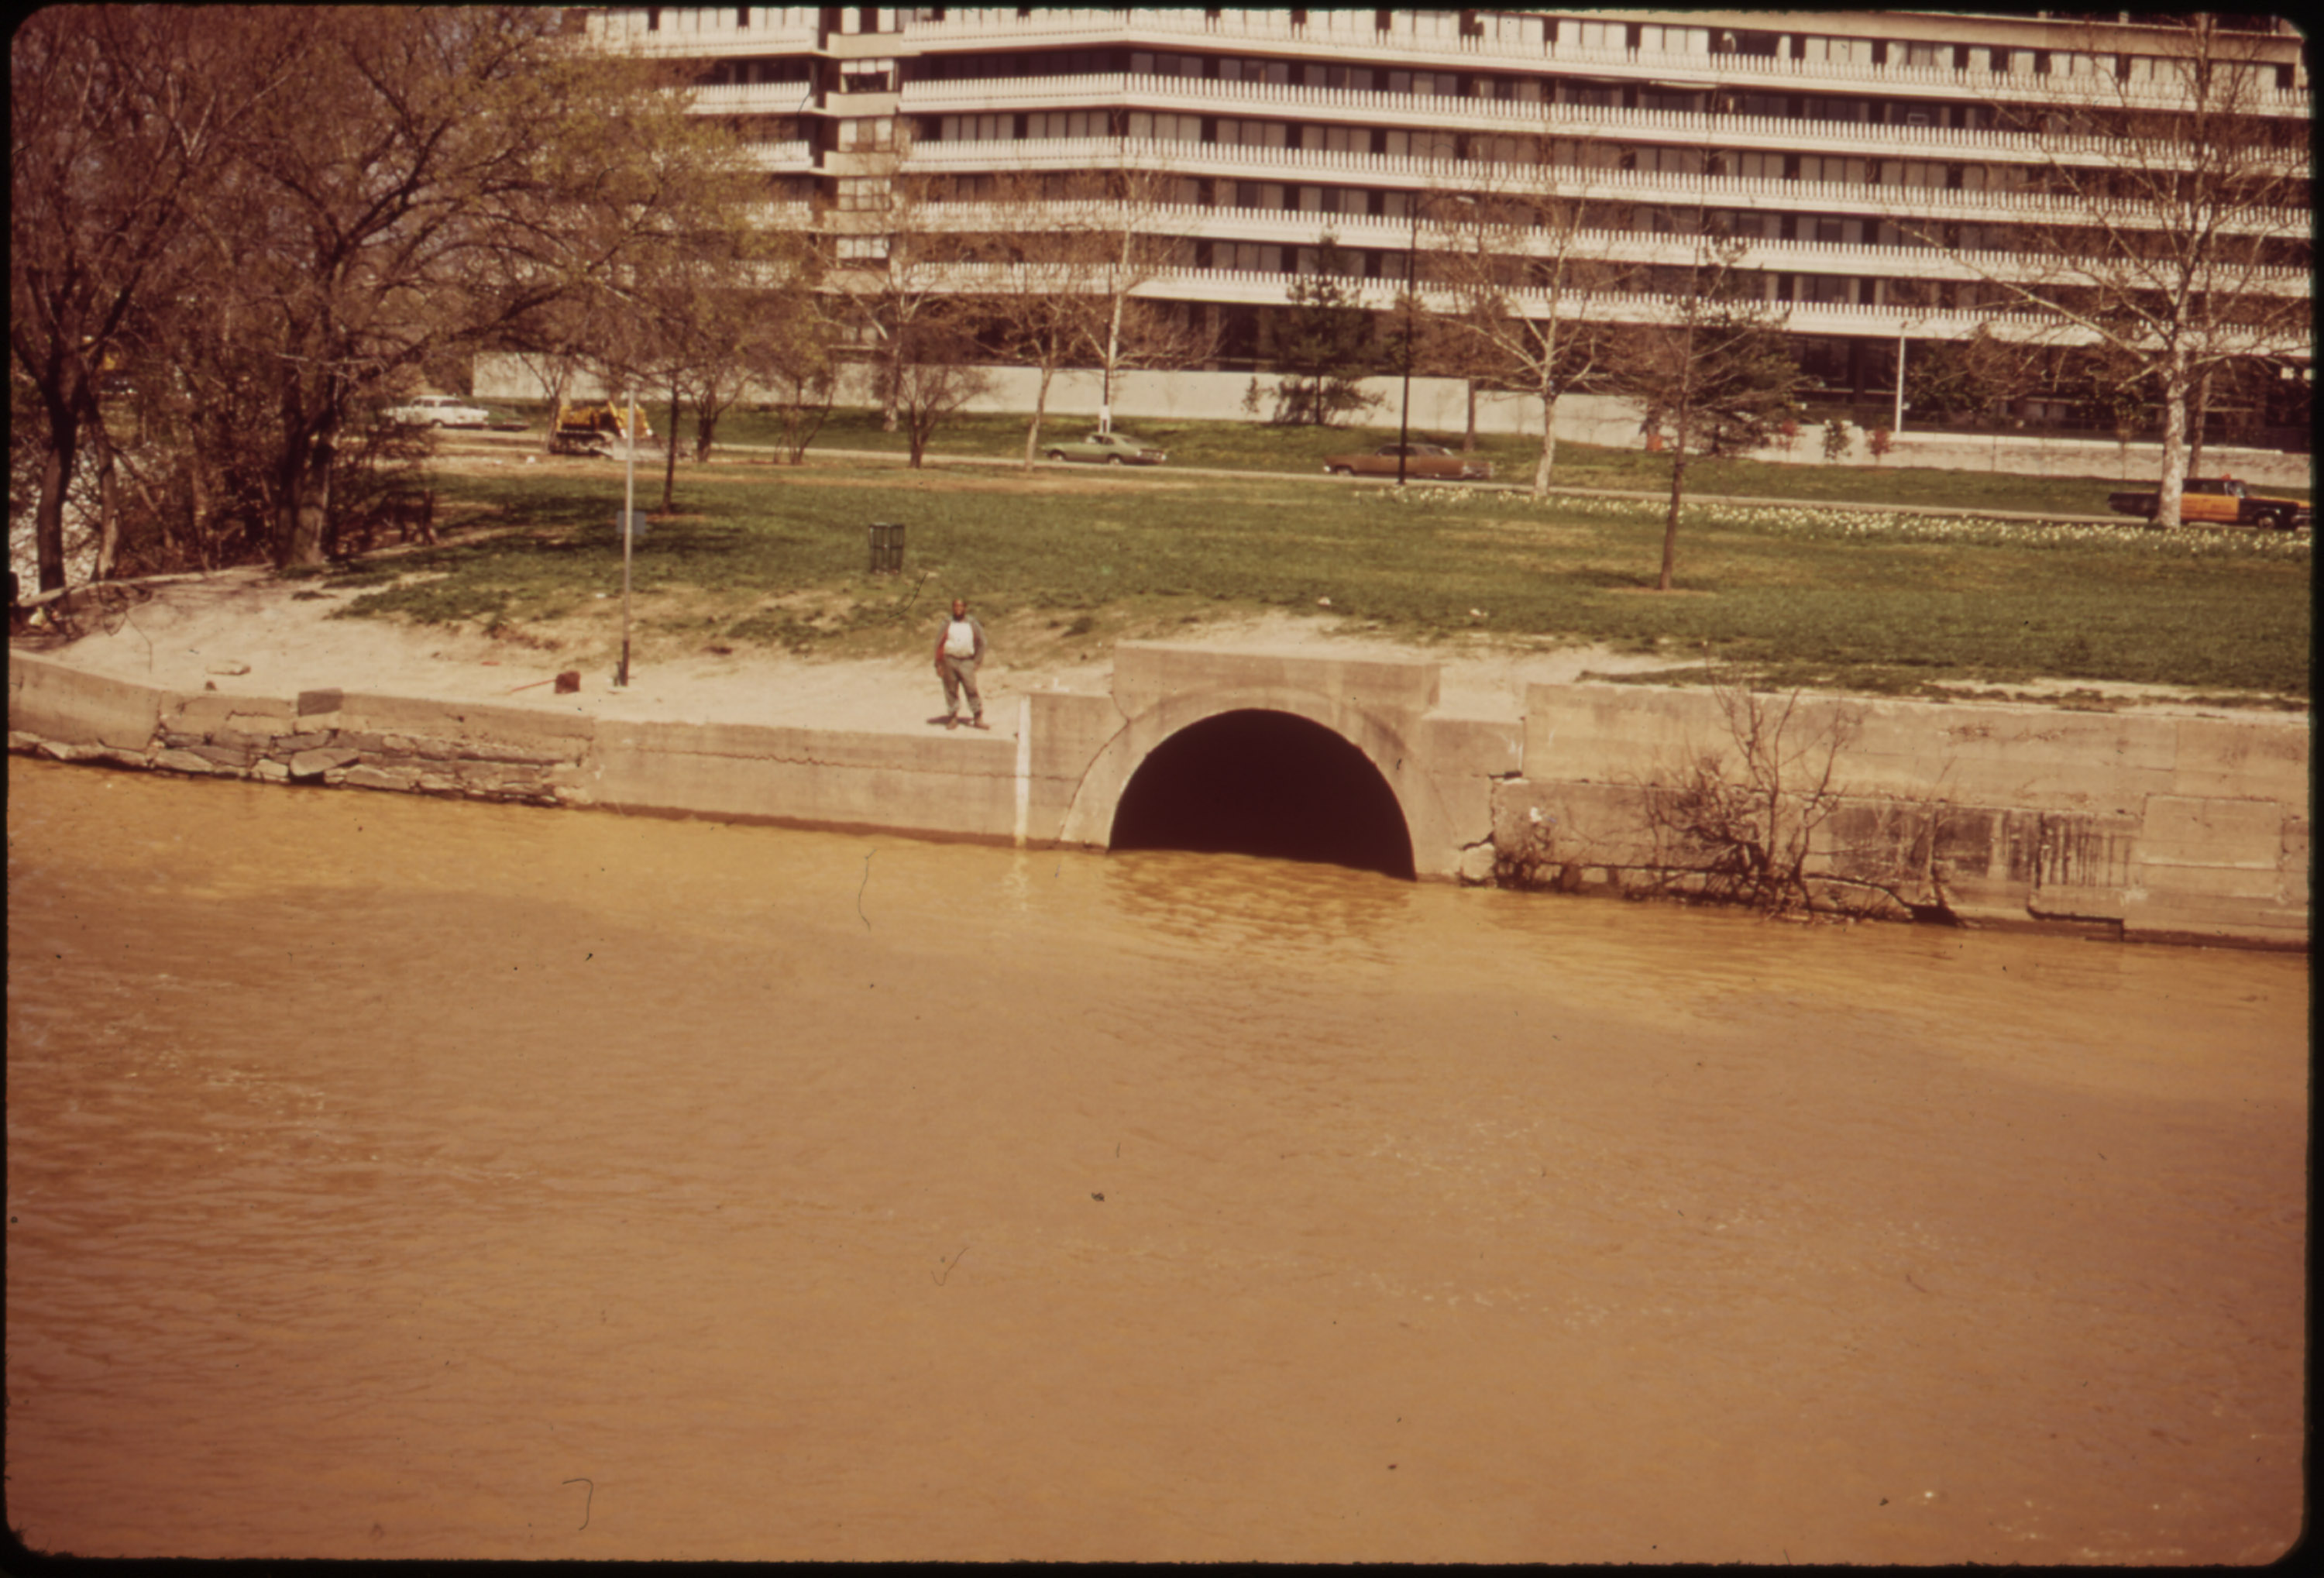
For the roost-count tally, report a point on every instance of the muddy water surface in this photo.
(402, 1178)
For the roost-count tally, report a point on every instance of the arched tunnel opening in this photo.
(1265, 783)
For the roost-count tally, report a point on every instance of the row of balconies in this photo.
(712, 29)
(1207, 95)
(1663, 67)
(1311, 165)
(1370, 232)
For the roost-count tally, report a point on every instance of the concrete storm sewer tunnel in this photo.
(1265, 783)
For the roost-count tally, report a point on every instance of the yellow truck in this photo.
(2218, 500)
(593, 428)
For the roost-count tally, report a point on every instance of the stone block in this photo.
(2184, 831)
(1069, 731)
(235, 756)
(462, 720)
(2258, 758)
(311, 702)
(377, 777)
(180, 760)
(73, 706)
(316, 762)
(310, 740)
(1148, 673)
(217, 715)
(1479, 748)
(273, 772)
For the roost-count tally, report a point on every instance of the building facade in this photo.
(1886, 169)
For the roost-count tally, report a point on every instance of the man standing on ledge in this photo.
(959, 649)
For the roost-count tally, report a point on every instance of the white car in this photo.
(437, 410)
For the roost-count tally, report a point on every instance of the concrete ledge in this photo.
(74, 707)
(2145, 826)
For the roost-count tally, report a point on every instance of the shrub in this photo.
(1836, 437)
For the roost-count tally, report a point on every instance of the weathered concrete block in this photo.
(314, 763)
(2259, 758)
(1146, 673)
(1068, 731)
(218, 716)
(2183, 831)
(462, 720)
(499, 751)
(73, 706)
(1478, 748)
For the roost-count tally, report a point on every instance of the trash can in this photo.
(887, 548)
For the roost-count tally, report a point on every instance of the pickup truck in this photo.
(2218, 500)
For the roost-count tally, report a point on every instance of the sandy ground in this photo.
(244, 631)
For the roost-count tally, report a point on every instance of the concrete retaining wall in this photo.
(2141, 826)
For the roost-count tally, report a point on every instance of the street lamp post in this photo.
(628, 522)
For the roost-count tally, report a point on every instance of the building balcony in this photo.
(754, 99)
(1415, 40)
(706, 29)
(1403, 173)
(1517, 117)
(1358, 233)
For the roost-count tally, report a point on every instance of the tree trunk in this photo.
(1469, 438)
(108, 504)
(2203, 420)
(48, 518)
(669, 462)
(1040, 408)
(1548, 447)
(2175, 439)
(1677, 494)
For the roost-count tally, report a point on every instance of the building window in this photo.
(1146, 125)
(1674, 41)
(1926, 57)
(1067, 122)
(1252, 133)
(976, 128)
(1594, 35)
(1837, 52)
(867, 76)
(1421, 144)
(872, 134)
(1753, 164)
(1833, 167)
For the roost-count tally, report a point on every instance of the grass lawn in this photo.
(1300, 451)
(1064, 562)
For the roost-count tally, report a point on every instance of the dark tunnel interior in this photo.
(1265, 783)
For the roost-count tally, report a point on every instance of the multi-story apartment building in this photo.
(1884, 166)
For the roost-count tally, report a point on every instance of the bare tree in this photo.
(1041, 258)
(118, 120)
(1509, 274)
(2178, 236)
(934, 373)
(1713, 366)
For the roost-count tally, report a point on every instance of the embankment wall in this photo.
(2137, 826)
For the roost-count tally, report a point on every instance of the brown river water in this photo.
(404, 1178)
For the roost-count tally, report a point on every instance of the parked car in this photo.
(437, 410)
(1432, 461)
(2218, 500)
(1110, 448)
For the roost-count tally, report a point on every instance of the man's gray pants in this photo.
(960, 674)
